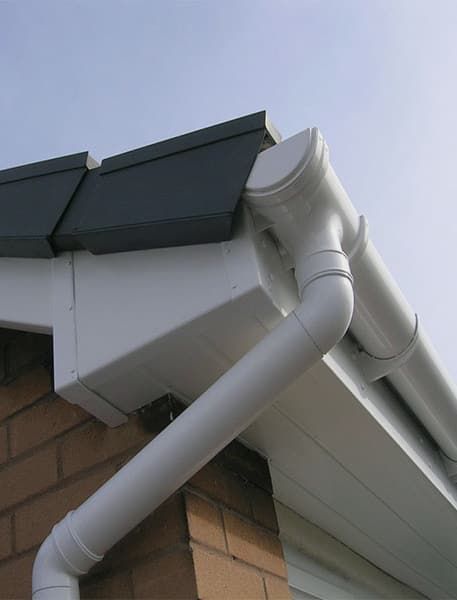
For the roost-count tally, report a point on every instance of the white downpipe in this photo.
(81, 539)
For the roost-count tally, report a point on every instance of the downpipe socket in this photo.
(327, 297)
(61, 560)
(321, 263)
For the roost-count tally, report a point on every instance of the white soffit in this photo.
(348, 458)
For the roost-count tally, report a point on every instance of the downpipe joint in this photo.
(327, 297)
(62, 559)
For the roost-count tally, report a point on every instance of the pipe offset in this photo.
(204, 428)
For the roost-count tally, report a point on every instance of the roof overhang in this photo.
(178, 192)
(205, 283)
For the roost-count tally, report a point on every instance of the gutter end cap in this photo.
(274, 171)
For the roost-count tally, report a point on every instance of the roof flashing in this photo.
(179, 191)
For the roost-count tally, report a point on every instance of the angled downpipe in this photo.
(234, 401)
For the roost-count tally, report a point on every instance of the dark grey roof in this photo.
(33, 198)
(181, 191)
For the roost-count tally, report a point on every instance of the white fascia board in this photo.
(385, 407)
(67, 381)
(134, 326)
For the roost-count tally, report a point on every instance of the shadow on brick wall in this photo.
(20, 351)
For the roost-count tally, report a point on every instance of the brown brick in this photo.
(222, 578)
(23, 391)
(42, 422)
(115, 585)
(170, 576)
(221, 485)
(16, 578)
(3, 445)
(35, 520)
(5, 537)
(96, 442)
(254, 545)
(21, 479)
(263, 508)
(277, 589)
(205, 522)
(165, 528)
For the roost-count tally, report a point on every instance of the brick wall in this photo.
(215, 538)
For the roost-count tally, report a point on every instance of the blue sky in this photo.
(377, 76)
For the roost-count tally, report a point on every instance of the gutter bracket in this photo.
(450, 466)
(375, 367)
(262, 224)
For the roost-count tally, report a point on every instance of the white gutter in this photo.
(293, 185)
(209, 424)
(293, 191)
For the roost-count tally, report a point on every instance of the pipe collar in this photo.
(322, 263)
(62, 558)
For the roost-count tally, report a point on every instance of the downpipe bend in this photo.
(217, 417)
(231, 404)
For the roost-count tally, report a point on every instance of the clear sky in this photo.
(379, 77)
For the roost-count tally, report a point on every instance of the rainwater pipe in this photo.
(292, 191)
(81, 539)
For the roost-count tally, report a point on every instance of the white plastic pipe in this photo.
(80, 540)
(296, 191)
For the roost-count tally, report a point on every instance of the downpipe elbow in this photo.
(51, 579)
(60, 561)
(327, 298)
